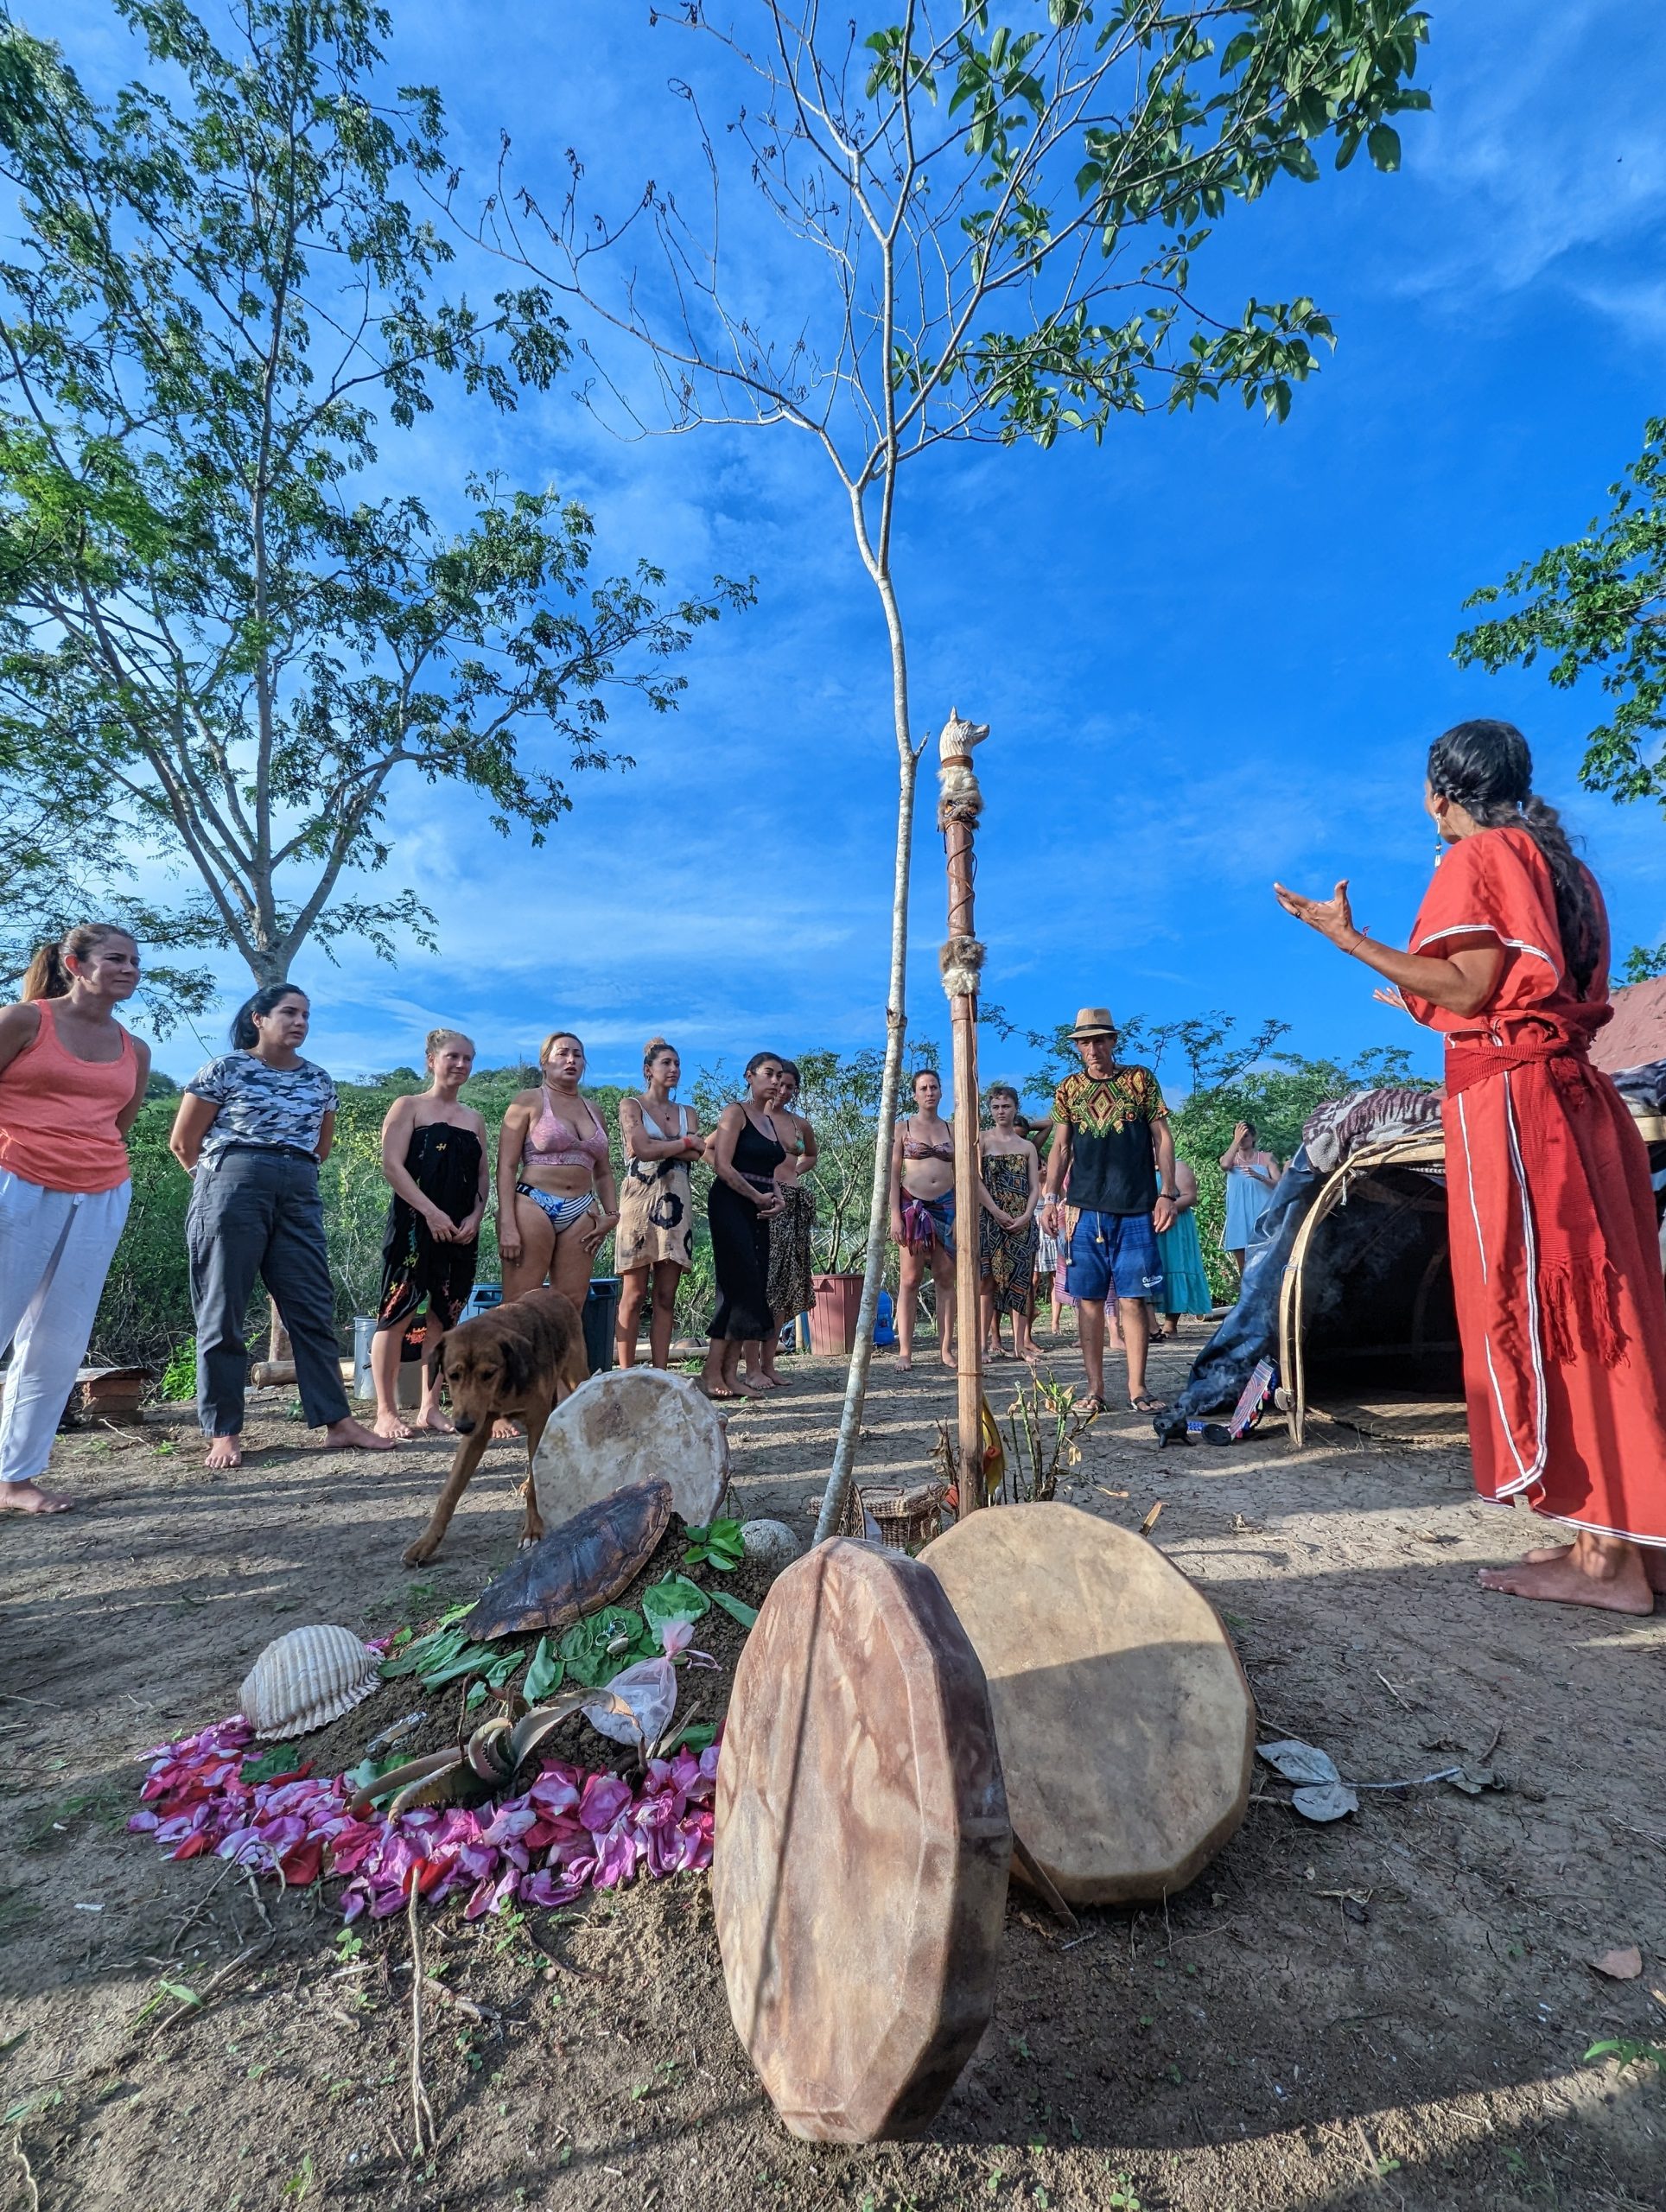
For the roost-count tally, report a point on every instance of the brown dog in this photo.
(515, 1360)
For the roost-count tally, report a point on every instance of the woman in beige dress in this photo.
(655, 1237)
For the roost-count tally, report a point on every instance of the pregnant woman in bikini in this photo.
(556, 1195)
(923, 1215)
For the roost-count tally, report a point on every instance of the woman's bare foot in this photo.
(391, 1423)
(949, 1360)
(30, 1497)
(504, 1431)
(350, 1435)
(1599, 1571)
(1654, 1562)
(224, 1452)
(746, 1387)
(905, 1365)
(436, 1418)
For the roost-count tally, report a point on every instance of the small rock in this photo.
(771, 1543)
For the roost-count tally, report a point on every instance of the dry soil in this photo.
(1393, 2011)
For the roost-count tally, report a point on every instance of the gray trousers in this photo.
(257, 1213)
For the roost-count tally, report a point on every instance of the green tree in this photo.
(56, 869)
(208, 634)
(997, 227)
(1597, 605)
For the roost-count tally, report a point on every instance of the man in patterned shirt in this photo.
(1109, 1125)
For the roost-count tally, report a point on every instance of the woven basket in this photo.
(903, 1517)
(907, 1518)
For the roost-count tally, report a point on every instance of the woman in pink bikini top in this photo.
(556, 1200)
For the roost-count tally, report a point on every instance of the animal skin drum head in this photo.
(637, 1424)
(1126, 1725)
(859, 1863)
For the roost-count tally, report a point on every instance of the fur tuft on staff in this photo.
(962, 963)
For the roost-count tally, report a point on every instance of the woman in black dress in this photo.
(434, 1157)
(746, 1151)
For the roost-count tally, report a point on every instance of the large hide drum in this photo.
(859, 1867)
(636, 1424)
(1126, 1726)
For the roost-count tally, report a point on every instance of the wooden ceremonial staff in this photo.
(959, 805)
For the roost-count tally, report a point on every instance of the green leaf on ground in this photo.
(735, 1608)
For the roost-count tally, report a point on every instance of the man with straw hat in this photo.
(1109, 1123)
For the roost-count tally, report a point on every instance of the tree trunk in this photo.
(843, 1469)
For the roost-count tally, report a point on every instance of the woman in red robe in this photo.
(1555, 1259)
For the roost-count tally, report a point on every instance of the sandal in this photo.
(1091, 1405)
(1145, 1403)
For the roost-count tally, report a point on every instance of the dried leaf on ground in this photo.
(1299, 1762)
(1624, 1963)
(1328, 1800)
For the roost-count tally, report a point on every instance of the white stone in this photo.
(631, 1426)
(772, 1543)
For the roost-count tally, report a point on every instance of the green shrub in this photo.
(179, 1377)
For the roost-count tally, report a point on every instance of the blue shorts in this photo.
(1112, 1254)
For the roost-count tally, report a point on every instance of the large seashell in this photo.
(305, 1680)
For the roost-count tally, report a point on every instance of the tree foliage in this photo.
(209, 632)
(1597, 605)
(992, 217)
(57, 868)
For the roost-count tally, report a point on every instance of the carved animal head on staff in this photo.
(959, 737)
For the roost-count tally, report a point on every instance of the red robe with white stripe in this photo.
(1556, 1262)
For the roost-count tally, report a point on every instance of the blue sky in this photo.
(1211, 651)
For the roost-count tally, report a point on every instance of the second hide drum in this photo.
(859, 1863)
(1126, 1725)
(633, 1425)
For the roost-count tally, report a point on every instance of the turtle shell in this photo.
(305, 1680)
(578, 1567)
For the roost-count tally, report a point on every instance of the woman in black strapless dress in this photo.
(745, 1153)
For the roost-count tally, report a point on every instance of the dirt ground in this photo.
(1394, 2010)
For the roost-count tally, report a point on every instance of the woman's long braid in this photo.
(1576, 914)
(1486, 768)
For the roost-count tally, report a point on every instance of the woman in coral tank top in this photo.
(71, 1081)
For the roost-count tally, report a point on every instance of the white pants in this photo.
(55, 1250)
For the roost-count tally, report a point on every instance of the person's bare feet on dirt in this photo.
(390, 1423)
(1599, 1571)
(30, 1497)
(223, 1452)
(1654, 1562)
(350, 1435)
(504, 1431)
(435, 1418)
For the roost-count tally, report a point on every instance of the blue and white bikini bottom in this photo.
(563, 1212)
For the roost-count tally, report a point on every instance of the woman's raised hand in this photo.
(1332, 917)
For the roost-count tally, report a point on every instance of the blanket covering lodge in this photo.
(1555, 1258)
